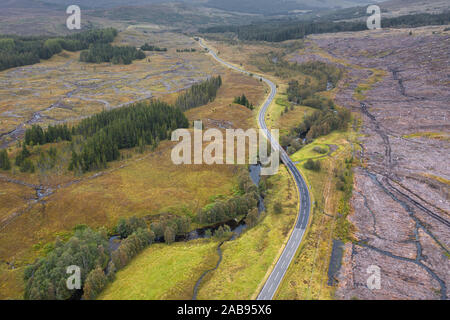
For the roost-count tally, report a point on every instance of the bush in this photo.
(252, 218)
(5, 164)
(312, 165)
(320, 150)
(27, 166)
(127, 227)
(22, 156)
(169, 235)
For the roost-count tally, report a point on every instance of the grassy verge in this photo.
(307, 276)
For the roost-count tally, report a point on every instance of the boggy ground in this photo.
(64, 89)
(399, 84)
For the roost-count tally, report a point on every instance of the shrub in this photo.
(312, 165)
(320, 150)
(96, 281)
(5, 164)
(278, 207)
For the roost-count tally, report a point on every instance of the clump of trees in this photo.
(242, 100)
(126, 227)
(18, 51)
(38, 136)
(168, 227)
(148, 47)
(23, 161)
(187, 50)
(143, 123)
(98, 53)
(109, 131)
(321, 123)
(323, 75)
(252, 218)
(47, 160)
(223, 232)
(278, 207)
(199, 94)
(95, 282)
(344, 176)
(46, 278)
(241, 204)
(131, 246)
(317, 124)
(5, 164)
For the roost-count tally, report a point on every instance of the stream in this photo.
(236, 226)
(255, 175)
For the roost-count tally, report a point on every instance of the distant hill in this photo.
(403, 7)
(175, 15)
(86, 4)
(283, 6)
(27, 4)
(247, 6)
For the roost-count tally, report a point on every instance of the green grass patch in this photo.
(361, 89)
(307, 152)
(443, 136)
(163, 272)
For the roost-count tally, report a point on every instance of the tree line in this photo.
(104, 52)
(240, 204)
(187, 50)
(18, 51)
(38, 136)
(148, 47)
(319, 123)
(199, 94)
(278, 31)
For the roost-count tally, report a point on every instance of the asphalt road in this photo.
(277, 275)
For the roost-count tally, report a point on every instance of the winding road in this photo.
(274, 280)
